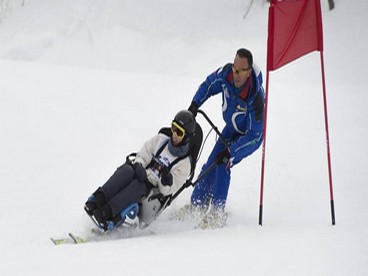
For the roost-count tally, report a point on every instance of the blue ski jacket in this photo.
(242, 109)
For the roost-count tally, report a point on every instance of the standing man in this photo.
(240, 84)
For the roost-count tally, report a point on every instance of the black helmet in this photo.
(185, 119)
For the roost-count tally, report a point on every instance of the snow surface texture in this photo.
(84, 83)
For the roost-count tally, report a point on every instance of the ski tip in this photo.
(70, 239)
(59, 241)
(76, 239)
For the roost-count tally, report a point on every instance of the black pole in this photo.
(213, 126)
(190, 183)
(260, 215)
(333, 212)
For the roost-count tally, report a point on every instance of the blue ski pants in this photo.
(213, 188)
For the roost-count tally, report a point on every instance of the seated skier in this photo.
(163, 162)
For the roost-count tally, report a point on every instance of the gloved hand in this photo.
(193, 108)
(166, 177)
(140, 172)
(223, 157)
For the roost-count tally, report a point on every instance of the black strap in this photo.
(172, 163)
(177, 160)
(161, 148)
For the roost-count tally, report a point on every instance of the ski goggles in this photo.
(176, 128)
(239, 71)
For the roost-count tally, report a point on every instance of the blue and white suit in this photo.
(242, 110)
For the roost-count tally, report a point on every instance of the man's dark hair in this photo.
(244, 53)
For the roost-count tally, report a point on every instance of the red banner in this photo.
(294, 29)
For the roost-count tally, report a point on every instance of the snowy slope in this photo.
(84, 83)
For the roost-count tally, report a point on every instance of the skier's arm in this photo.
(211, 86)
(244, 145)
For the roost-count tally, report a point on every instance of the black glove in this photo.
(193, 108)
(166, 177)
(223, 157)
(140, 172)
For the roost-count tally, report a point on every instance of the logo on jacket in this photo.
(239, 107)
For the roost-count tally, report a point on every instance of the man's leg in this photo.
(222, 181)
(204, 189)
(221, 186)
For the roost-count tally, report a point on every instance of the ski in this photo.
(125, 231)
(70, 239)
(77, 239)
(59, 241)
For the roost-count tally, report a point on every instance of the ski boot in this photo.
(130, 212)
(104, 220)
(102, 216)
(95, 201)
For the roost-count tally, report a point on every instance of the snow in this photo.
(84, 83)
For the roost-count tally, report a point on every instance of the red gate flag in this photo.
(294, 29)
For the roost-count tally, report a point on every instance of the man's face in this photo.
(176, 140)
(241, 71)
